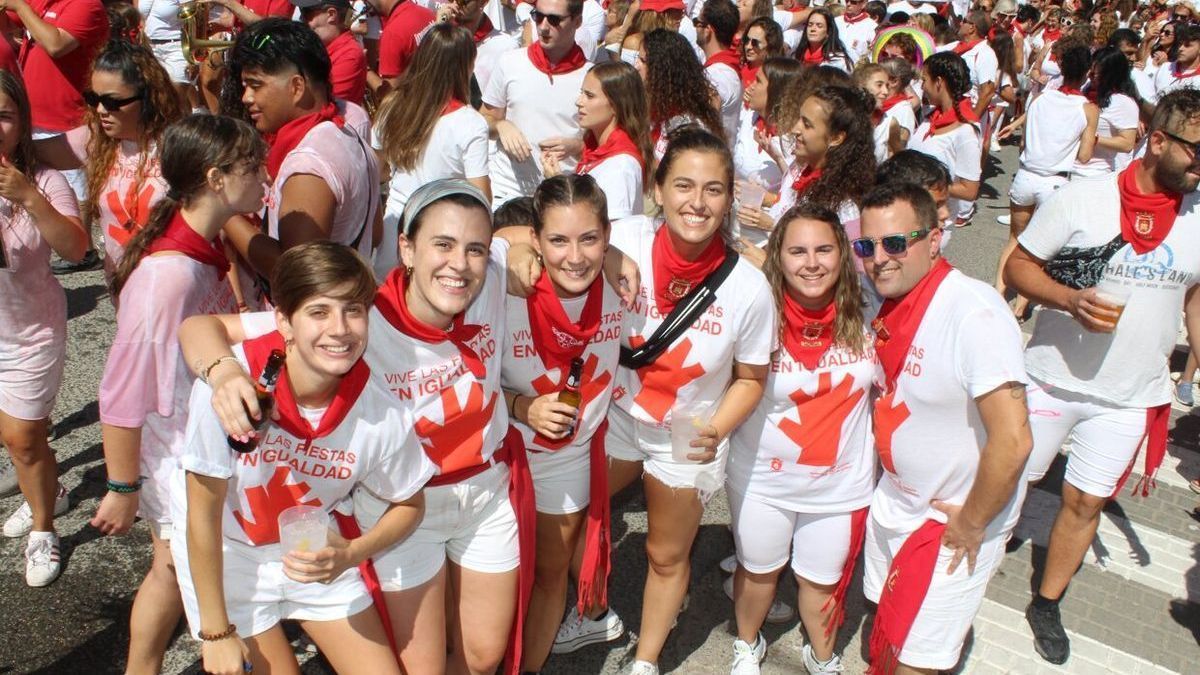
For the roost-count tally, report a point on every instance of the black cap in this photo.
(309, 4)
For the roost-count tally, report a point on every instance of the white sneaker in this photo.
(815, 667)
(20, 523)
(780, 611)
(1004, 219)
(729, 565)
(578, 631)
(747, 657)
(643, 668)
(42, 563)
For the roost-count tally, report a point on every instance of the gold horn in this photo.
(194, 40)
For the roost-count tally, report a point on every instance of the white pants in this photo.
(766, 536)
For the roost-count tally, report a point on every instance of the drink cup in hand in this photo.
(687, 421)
(752, 195)
(303, 528)
(1115, 296)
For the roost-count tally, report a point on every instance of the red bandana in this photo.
(814, 55)
(748, 75)
(289, 135)
(1184, 75)
(557, 339)
(898, 321)
(894, 101)
(290, 420)
(675, 276)
(961, 112)
(856, 18)
(1051, 35)
(767, 129)
(807, 334)
(1146, 220)
(484, 29)
(807, 177)
(907, 584)
(451, 105)
(727, 56)
(179, 236)
(964, 47)
(1071, 91)
(574, 60)
(618, 143)
(392, 304)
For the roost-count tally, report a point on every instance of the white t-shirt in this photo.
(738, 326)
(981, 61)
(857, 36)
(1120, 115)
(285, 470)
(488, 51)
(928, 432)
(540, 106)
(960, 151)
(620, 177)
(457, 148)
(751, 160)
(1166, 81)
(1053, 126)
(901, 114)
(807, 446)
(160, 18)
(1143, 79)
(1129, 366)
(728, 84)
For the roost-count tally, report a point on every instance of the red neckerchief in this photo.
(898, 321)
(888, 104)
(964, 47)
(854, 19)
(807, 177)
(674, 275)
(289, 135)
(1017, 30)
(1146, 220)
(451, 105)
(1071, 91)
(807, 334)
(391, 303)
(1183, 76)
(814, 55)
(1051, 35)
(484, 29)
(961, 112)
(907, 584)
(768, 130)
(574, 60)
(726, 56)
(557, 338)
(179, 236)
(748, 75)
(618, 143)
(350, 387)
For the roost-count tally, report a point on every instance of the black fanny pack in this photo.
(1079, 267)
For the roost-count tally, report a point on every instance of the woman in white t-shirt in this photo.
(38, 214)
(762, 39)
(820, 44)
(333, 429)
(802, 467)
(759, 141)
(429, 130)
(173, 268)
(1110, 86)
(892, 117)
(677, 91)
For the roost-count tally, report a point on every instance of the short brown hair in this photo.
(316, 268)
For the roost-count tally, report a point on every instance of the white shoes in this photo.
(815, 667)
(20, 523)
(729, 564)
(1004, 219)
(780, 611)
(577, 632)
(42, 562)
(746, 657)
(643, 668)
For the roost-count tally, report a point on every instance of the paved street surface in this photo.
(1134, 608)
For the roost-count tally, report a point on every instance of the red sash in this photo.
(898, 321)
(521, 497)
(674, 275)
(1157, 427)
(289, 135)
(961, 112)
(618, 143)
(559, 340)
(179, 236)
(348, 526)
(597, 541)
(858, 532)
(907, 583)
(1146, 219)
(807, 334)
(574, 60)
(391, 303)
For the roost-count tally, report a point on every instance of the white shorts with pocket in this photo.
(766, 536)
(470, 523)
(170, 55)
(562, 479)
(936, 638)
(258, 594)
(634, 441)
(1033, 189)
(1104, 437)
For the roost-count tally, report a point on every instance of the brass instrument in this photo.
(194, 33)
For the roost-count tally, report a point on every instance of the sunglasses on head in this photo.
(893, 244)
(554, 19)
(111, 103)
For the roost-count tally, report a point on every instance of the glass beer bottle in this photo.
(264, 388)
(570, 393)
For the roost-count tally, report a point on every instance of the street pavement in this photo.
(1134, 608)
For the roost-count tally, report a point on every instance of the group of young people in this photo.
(494, 264)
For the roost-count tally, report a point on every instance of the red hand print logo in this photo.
(591, 388)
(266, 502)
(130, 213)
(457, 443)
(887, 420)
(819, 432)
(662, 380)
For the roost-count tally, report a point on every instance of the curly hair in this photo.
(1108, 25)
(138, 68)
(787, 110)
(849, 169)
(676, 84)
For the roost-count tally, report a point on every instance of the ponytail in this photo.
(139, 245)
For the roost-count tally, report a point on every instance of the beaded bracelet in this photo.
(213, 637)
(123, 487)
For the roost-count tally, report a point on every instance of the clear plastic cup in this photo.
(1115, 296)
(303, 528)
(686, 422)
(752, 195)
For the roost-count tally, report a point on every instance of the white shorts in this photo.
(945, 617)
(258, 594)
(31, 371)
(170, 55)
(767, 535)
(634, 441)
(1104, 438)
(470, 523)
(75, 177)
(561, 480)
(1032, 189)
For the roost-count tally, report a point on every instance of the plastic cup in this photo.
(686, 422)
(303, 528)
(1115, 296)
(752, 195)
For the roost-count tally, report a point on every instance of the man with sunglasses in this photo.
(951, 431)
(1112, 261)
(530, 102)
(856, 28)
(347, 60)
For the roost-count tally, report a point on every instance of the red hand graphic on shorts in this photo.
(266, 502)
(592, 387)
(131, 213)
(662, 380)
(887, 420)
(819, 432)
(457, 443)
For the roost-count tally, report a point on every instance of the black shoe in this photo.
(91, 261)
(1049, 638)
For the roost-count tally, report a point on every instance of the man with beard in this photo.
(1098, 250)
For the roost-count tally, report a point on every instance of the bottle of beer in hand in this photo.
(570, 393)
(264, 388)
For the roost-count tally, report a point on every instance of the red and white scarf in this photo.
(392, 304)
(558, 339)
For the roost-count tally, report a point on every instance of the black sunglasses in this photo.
(893, 244)
(111, 103)
(755, 43)
(554, 19)
(1192, 146)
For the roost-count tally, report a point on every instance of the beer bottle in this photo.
(264, 388)
(570, 393)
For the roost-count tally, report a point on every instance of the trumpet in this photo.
(194, 33)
